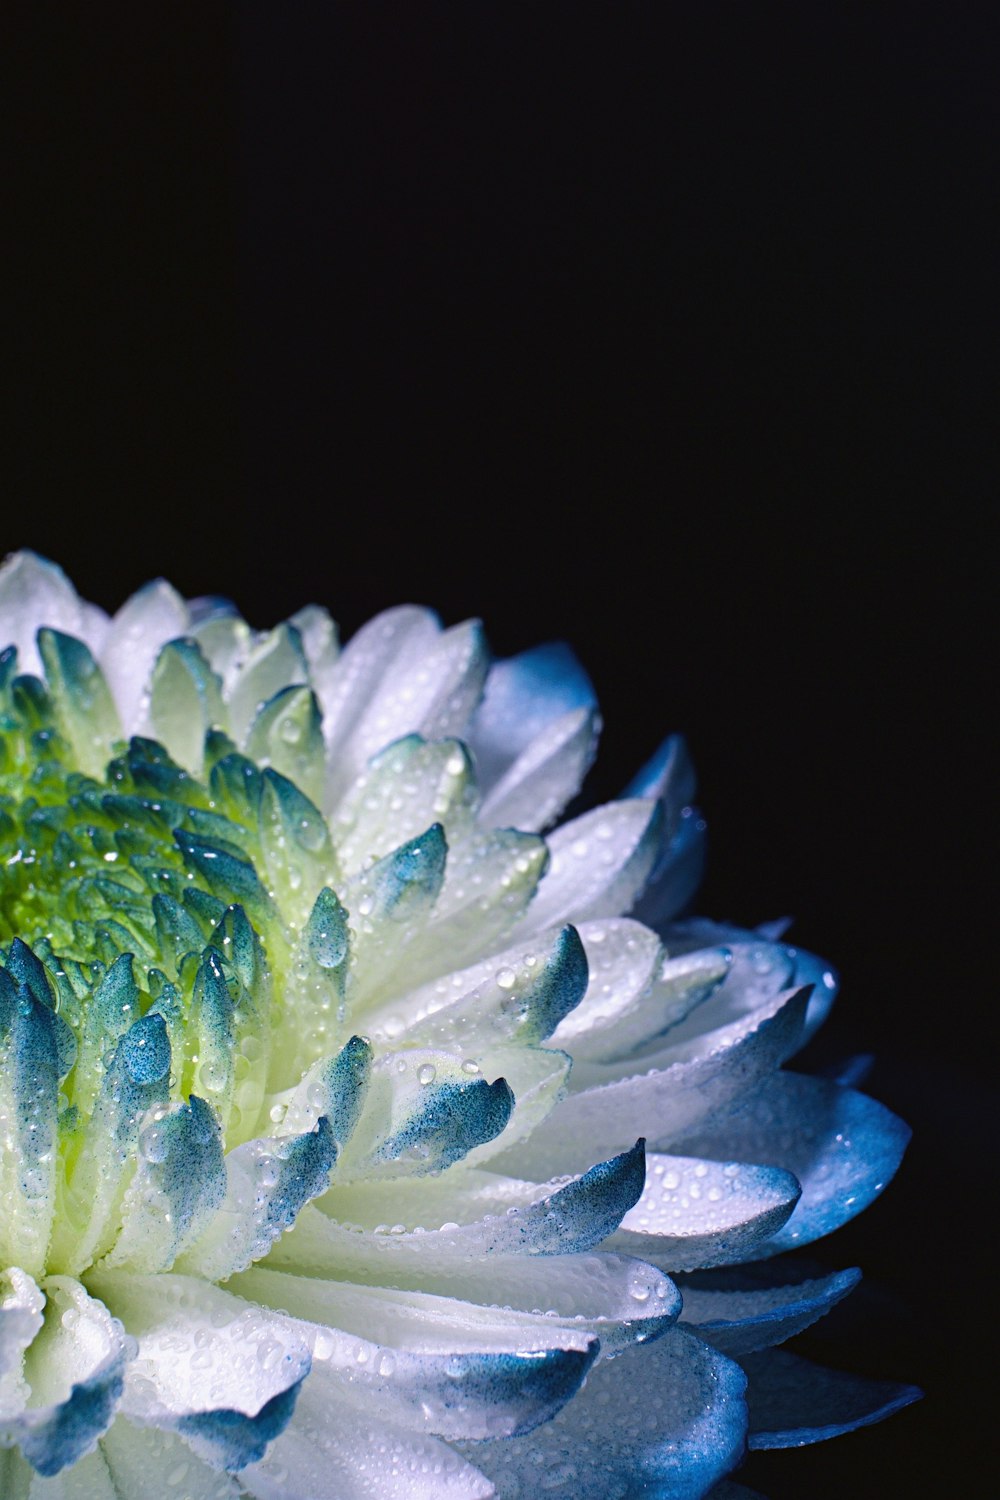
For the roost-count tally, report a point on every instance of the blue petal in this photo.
(793, 1402)
(667, 774)
(677, 874)
(523, 694)
(842, 1146)
(503, 1393)
(668, 1420)
(739, 1311)
(229, 878)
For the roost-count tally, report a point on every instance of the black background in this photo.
(669, 330)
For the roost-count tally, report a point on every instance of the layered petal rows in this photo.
(362, 1131)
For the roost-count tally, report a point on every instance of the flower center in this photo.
(142, 957)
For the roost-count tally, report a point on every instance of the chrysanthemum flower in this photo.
(326, 1075)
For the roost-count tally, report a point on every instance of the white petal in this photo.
(525, 694)
(140, 629)
(634, 992)
(88, 1479)
(737, 1320)
(21, 1305)
(276, 661)
(424, 1110)
(204, 1355)
(433, 1363)
(843, 1147)
(520, 993)
(148, 1461)
(664, 1103)
(267, 1182)
(403, 790)
(401, 674)
(705, 1213)
(342, 1452)
(508, 1302)
(321, 645)
(34, 592)
(531, 1219)
(546, 775)
(599, 863)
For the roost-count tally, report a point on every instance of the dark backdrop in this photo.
(666, 329)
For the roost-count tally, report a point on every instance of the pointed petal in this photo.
(400, 675)
(84, 707)
(546, 776)
(29, 1095)
(274, 662)
(705, 1213)
(434, 1363)
(522, 993)
(737, 1313)
(599, 864)
(792, 1401)
(34, 592)
(423, 1111)
(536, 1219)
(140, 629)
(179, 1182)
(267, 1183)
(403, 790)
(635, 993)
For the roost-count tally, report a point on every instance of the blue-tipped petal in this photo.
(668, 1421)
(842, 1146)
(677, 873)
(449, 1121)
(179, 1182)
(229, 1439)
(793, 1402)
(668, 774)
(268, 1183)
(335, 1087)
(221, 1372)
(29, 1091)
(695, 1212)
(408, 880)
(533, 1222)
(287, 734)
(89, 1351)
(84, 707)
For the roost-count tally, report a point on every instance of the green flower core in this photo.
(164, 921)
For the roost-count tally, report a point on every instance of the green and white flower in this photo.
(326, 1071)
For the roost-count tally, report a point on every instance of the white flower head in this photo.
(358, 1134)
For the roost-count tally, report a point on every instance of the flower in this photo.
(325, 1074)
